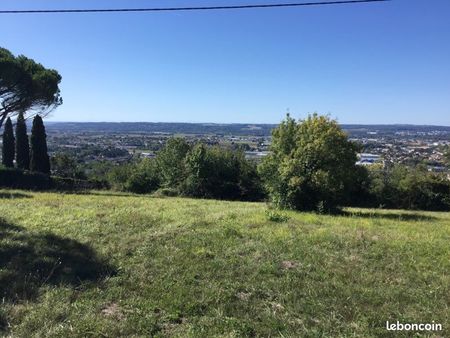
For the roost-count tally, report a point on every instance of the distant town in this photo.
(121, 142)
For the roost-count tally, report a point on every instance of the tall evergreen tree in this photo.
(39, 156)
(8, 150)
(22, 144)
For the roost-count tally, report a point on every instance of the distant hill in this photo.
(171, 128)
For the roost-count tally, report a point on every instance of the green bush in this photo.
(215, 172)
(403, 187)
(144, 178)
(196, 171)
(140, 178)
(311, 164)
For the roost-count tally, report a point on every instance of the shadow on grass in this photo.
(29, 261)
(13, 195)
(396, 216)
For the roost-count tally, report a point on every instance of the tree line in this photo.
(29, 154)
(311, 166)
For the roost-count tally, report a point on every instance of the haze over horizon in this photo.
(52, 121)
(380, 63)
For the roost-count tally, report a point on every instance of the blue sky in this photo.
(369, 63)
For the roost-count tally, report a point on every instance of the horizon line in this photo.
(253, 123)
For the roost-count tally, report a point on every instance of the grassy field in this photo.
(105, 265)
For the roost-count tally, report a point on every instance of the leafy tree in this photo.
(144, 177)
(311, 164)
(40, 161)
(22, 144)
(64, 165)
(8, 150)
(171, 162)
(199, 168)
(26, 86)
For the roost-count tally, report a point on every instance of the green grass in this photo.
(106, 265)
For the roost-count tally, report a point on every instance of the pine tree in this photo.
(8, 150)
(39, 157)
(22, 144)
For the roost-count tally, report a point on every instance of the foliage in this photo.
(118, 176)
(198, 171)
(97, 170)
(39, 160)
(215, 172)
(8, 145)
(140, 177)
(144, 177)
(26, 86)
(171, 162)
(311, 164)
(22, 144)
(360, 193)
(64, 165)
(19, 179)
(403, 187)
(206, 268)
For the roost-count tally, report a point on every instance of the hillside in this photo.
(121, 265)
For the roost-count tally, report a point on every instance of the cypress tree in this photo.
(8, 150)
(22, 144)
(39, 157)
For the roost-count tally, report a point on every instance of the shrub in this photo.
(403, 187)
(215, 172)
(311, 163)
(64, 165)
(144, 178)
(140, 178)
(118, 176)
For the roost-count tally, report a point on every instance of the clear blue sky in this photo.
(369, 63)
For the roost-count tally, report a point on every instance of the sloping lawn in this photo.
(111, 265)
